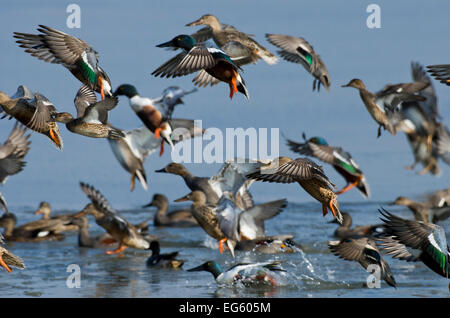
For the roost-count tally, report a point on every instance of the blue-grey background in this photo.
(125, 34)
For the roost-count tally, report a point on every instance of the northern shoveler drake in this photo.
(8, 259)
(230, 178)
(176, 218)
(426, 212)
(35, 231)
(76, 55)
(163, 260)
(440, 72)
(363, 250)
(239, 46)
(195, 58)
(152, 118)
(105, 216)
(238, 225)
(85, 239)
(382, 105)
(341, 161)
(298, 50)
(425, 238)
(45, 209)
(241, 273)
(92, 116)
(12, 152)
(308, 174)
(34, 111)
(344, 230)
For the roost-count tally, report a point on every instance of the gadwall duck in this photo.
(92, 116)
(34, 111)
(176, 218)
(195, 58)
(298, 50)
(85, 239)
(8, 259)
(230, 178)
(163, 260)
(241, 272)
(427, 212)
(364, 251)
(35, 231)
(76, 55)
(344, 230)
(45, 209)
(382, 105)
(105, 216)
(239, 46)
(307, 174)
(406, 237)
(341, 161)
(226, 36)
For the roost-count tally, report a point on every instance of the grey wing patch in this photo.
(203, 79)
(289, 46)
(84, 98)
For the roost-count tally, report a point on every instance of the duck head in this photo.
(207, 19)
(210, 266)
(158, 200)
(196, 196)
(63, 117)
(182, 41)
(44, 209)
(126, 89)
(174, 168)
(356, 83)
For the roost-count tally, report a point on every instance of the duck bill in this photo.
(37, 212)
(196, 269)
(79, 215)
(182, 199)
(165, 44)
(196, 22)
(163, 170)
(335, 221)
(346, 85)
(148, 205)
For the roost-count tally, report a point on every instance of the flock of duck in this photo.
(222, 204)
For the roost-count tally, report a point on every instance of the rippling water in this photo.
(125, 36)
(311, 272)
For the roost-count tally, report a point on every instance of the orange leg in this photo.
(102, 91)
(330, 205)
(348, 187)
(158, 132)
(221, 242)
(133, 175)
(324, 209)
(231, 91)
(161, 151)
(117, 250)
(108, 241)
(3, 264)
